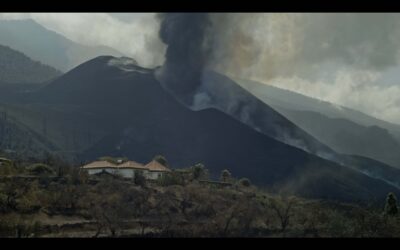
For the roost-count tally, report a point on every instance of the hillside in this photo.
(70, 203)
(19, 139)
(47, 46)
(295, 101)
(101, 108)
(15, 67)
(348, 137)
(344, 130)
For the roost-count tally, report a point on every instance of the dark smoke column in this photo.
(187, 52)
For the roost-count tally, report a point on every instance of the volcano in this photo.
(112, 106)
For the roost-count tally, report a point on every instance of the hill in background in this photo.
(47, 46)
(15, 67)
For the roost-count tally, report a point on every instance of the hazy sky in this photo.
(135, 34)
(347, 59)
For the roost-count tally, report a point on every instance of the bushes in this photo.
(40, 169)
(391, 205)
(169, 179)
(245, 182)
(139, 179)
(199, 172)
(226, 176)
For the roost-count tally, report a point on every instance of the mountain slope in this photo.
(220, 92)
(345, 130)
(295, 101)
(15, 67)
(348, 137)
(139, 119)
(20, 139)
(47, 46)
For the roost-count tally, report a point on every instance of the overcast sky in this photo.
(347, 59)
(135, 34)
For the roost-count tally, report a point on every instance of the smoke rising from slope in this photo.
(343, 58)
(193, 51)
(187, 51)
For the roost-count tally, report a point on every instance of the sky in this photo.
(135, 34)
(349, 59)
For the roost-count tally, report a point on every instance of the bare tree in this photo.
(283, 209)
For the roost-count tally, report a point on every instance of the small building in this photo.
(153, 170)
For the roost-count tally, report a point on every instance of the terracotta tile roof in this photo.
(156, 166)
(100, 164)
(132, 164)
(151, 166)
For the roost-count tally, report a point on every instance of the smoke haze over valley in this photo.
(144, 110)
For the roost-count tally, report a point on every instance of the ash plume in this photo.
(195, 50)
(187, 51)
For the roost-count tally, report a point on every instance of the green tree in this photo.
(169, 179)
(199, 172)
(245, 182)
(139, 179)
(225, 175)
(40, 169)
(391, 204)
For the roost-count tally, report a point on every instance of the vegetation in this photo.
(391, 205)
(199, 172)
(40, 169)
(245, 182)
(139, 179)
(225, 175)
(170, 179)
(70, 203)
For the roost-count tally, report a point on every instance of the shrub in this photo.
(40, 169)
(139, 179)
(169, 179)
(225, 175)
(391, 204)
(245, 182)
(199, 172)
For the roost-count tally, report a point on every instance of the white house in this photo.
(128, 169)
(155, 170)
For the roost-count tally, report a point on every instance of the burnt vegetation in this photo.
(53, 199)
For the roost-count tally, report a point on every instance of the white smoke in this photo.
(136, 37)
(349, 59)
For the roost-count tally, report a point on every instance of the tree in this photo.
(283, 208)
(40, 169)
(391, 204)
(225, 175)
(169, 179)
(199, 171)
(245, 182)
(139, 179)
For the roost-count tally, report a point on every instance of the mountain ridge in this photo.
(48, 46)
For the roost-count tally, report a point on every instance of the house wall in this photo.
(153, 175)
(127, 173)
